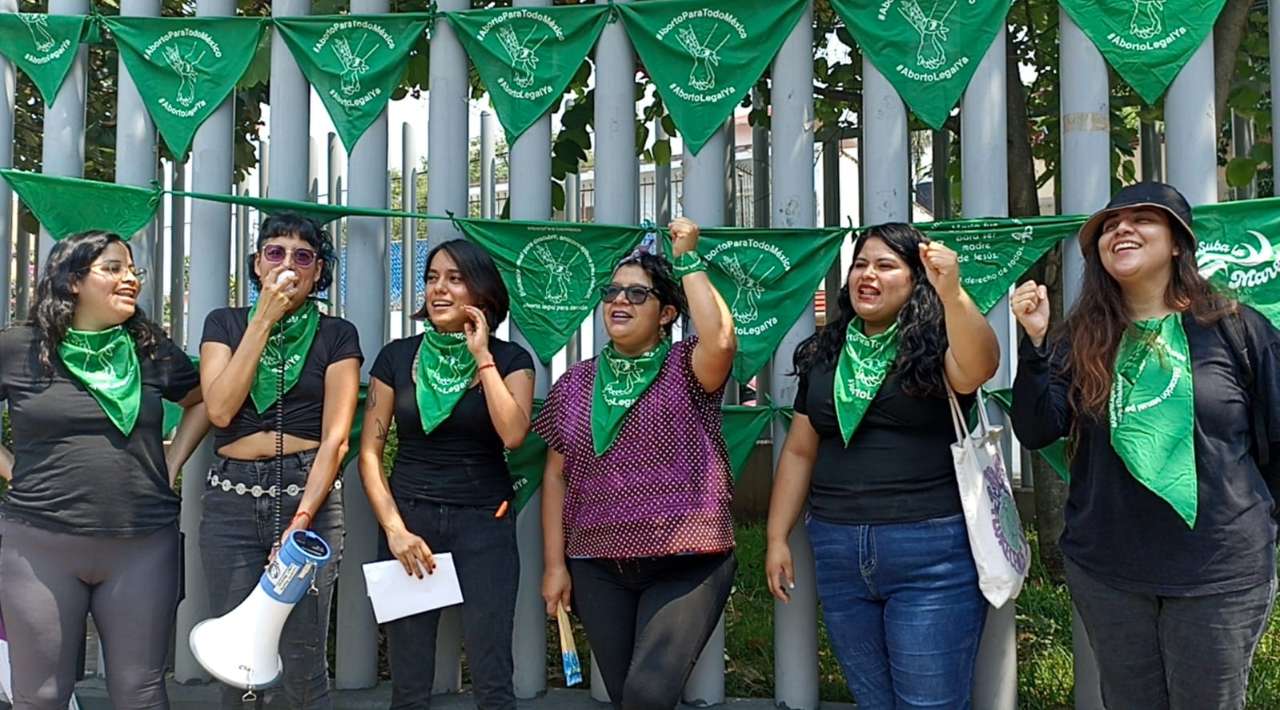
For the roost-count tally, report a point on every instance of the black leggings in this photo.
(648, 620)
(51, 580)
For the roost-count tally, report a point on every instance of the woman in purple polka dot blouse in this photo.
(636, 495)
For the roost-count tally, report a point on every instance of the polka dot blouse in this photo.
(664, 486)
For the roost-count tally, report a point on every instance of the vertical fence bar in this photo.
(761, 203)
(1191, 129)
(366, 308)
(661, 182)
(408, 229)
(1086, 186)
(243, 248)
(177, 258)
(334, 162)
(488, 165)
(793, 204)
(314, 158)
(136, 163)
(884, 145)
(63, 150)
(212, 171)
(530, 197)
(447, 144)
(153, 288)
(291, 120)
(23, 266)
(7, 226)
(984, 168)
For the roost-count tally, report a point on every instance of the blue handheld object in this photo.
(289, 575)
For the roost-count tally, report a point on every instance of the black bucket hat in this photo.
(1143, 194)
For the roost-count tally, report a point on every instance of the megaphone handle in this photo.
(249, 696)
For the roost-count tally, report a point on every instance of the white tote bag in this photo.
(1000, 548)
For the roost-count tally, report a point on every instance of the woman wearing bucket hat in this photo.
(1164, 387)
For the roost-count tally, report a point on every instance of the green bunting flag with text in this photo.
(43, 46)
(927, 49)
(184, 68)
(1146, 41)
(742, 428)
(995, 253)
(704, 60)
(1239, 251)
(66, 206)
(354, 62)
(554, 271)
(527, 55)
(768, 278)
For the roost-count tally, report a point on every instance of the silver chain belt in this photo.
(257, 491)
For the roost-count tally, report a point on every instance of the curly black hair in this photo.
(55, 303)
(292, 224)
(666, 286)
(922, 332)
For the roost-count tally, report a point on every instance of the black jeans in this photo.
(488, 565)
(1181, 653)
(236, 536)
(648, 619)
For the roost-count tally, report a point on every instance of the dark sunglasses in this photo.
(275, 254)
(636, 295)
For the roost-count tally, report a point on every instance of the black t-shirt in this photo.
(336, 340)
(897, 467)
(462, 461)
(74, 472)
(1121, 532)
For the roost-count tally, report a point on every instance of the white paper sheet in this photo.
(396, 595)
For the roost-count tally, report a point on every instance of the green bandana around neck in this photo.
(43, 46)
(443, 372)
(620, 382)
(1152, 411)
(864, 362)
(290, 341)
(106, 363)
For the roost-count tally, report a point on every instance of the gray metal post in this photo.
(704, 202)
(1191, 129)
(1086, 186)
(291, 121)
(408, 228)
(357, 654)
(447, 144)
(984, 170)
(242, 249)
(22, 264)
(335, 163)
(63, 150)
(212, 163)
(136, 164)
(7, 83)
(530, 196)
(831, 217)
(759, 166)
(885, 191)
(177, 258)
(661, 182)
(488, 164)
(793, 204)
(154, 286)
(314, 158)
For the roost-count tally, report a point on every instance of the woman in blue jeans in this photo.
(281, 382)
(870, 449)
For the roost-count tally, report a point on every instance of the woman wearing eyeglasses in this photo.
(90, 521)
(281, 382)
(459, 397)
(637, 488)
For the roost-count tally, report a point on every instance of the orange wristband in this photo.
(302, 513)
(482, 367)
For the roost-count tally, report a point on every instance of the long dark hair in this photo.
(480, 275)
(55, 305)
(666, 287)
(922, 332)
(292, 224)
(1099, 319)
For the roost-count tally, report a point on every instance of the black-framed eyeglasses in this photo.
(275, 254)
(117, 269)
(636, 295)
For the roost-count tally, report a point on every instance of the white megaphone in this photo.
(241, 647)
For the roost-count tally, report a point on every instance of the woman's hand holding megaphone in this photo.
(412, 551)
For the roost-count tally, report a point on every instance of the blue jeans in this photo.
(902, 605)
(236, 536)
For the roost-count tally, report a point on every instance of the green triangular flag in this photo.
(995, 253)
(742, 429)
(43, 46)
(185, 68)
(1239, 251)
(1054, 454)
(67, 206)
(768, 277)
(527, 56)
(554, 271)
(1146, 41)
(354, 62)
(928, 49)
(704, 60)
(527, 464)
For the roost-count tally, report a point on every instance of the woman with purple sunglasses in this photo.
(281, 382)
